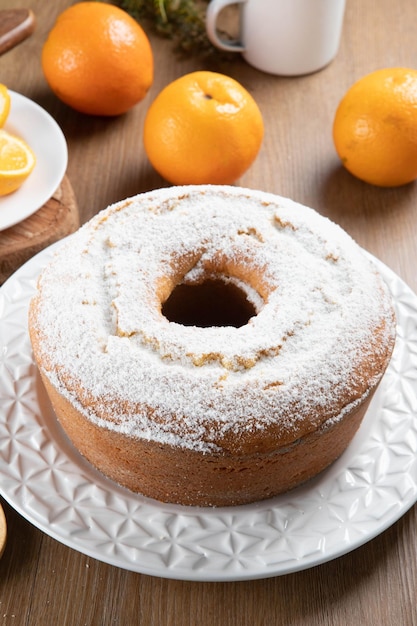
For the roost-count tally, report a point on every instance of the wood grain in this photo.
(43, 581)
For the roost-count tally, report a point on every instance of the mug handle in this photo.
(213, 10)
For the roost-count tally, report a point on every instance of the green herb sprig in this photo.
(182, 21)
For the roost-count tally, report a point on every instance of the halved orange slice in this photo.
(16, 162)
(4, 104)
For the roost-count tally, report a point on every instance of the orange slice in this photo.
(16, 162)
(4, 104)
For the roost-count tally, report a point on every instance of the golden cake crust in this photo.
(217, 415)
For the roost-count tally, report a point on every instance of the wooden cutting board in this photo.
(15, 26)
(57, 218)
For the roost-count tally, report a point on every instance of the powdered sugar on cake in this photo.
(321, 308)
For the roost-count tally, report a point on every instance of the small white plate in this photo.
(34, 125)
(45, 478)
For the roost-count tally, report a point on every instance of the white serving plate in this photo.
(47, 481)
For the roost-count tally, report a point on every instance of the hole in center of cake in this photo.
(213, 302)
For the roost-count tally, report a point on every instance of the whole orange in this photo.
(97, 59)
(203, 128)
(375, 127)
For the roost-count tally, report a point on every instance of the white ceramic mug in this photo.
(285, 37)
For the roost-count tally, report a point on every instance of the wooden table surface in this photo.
(45, 582)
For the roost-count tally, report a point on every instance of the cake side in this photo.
(188, 477)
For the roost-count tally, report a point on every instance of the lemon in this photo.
(16, 162)
(4, 104)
